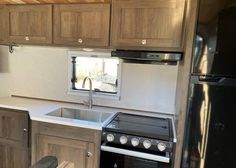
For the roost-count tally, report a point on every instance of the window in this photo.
(103, 70)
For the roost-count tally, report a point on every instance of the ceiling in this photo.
(51, 1)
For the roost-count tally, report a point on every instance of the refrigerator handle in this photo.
(211, 79)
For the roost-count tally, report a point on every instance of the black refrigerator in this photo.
(211, 119)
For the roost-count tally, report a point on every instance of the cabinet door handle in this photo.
(27, 38)
(80, 40)
(25, 130)
(144, 42)
(89, 154)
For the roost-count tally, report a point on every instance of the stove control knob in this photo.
(134, 141)
(147, 144)
(161, 146)
(123, 140)
(110, 137)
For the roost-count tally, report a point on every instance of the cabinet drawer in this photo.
(75, 133)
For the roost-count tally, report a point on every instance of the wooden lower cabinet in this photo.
(14, 144)
(3, 155)
(14, 126)
(78, 147)
(77, 153)
(13, 157)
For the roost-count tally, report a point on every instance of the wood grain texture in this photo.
(66, 164)
(64, 149)
(147, 24)
(70, 145)
(82, 25)
(211, 8)
(3, 24)
(30, 24)
(184, 77)
(13, 157)
(14, 151)
(12, 125)
(51, 1)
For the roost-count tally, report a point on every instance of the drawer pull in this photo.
(89, 154)
(27, 38)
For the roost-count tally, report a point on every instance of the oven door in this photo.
(112, 157)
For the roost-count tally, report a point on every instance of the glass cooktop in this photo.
(151, 127)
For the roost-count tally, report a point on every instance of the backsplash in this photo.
(42, 72)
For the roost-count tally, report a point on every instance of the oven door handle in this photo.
(165, 159)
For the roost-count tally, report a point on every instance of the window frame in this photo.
(84, 93)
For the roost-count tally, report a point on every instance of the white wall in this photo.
(41, 72)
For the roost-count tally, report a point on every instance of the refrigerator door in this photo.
(211, 124)
(215, 42)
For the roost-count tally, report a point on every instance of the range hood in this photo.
(165, 57)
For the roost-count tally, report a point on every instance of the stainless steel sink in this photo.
(81, 114)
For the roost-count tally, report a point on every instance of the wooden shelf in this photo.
(52, 1)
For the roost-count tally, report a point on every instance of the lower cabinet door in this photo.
(78, 154)
(3, 155)
(13, 157)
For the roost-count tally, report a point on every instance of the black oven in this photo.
(113, 157)
(135, 141)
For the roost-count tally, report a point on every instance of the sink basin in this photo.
(81, 114)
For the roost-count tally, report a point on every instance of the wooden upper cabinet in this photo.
(51, 1)
(3, 24)
(145, 24)
(82, 24)
(30, 24)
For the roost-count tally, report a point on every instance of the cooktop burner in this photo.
(150, 127)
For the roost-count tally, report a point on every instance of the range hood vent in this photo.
(148, 56)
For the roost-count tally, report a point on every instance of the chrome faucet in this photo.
(89, 103)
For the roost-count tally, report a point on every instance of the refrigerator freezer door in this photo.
(215, 42)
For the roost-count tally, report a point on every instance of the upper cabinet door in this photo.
(30, 24)
(82, 24)
(147, 24)
(3, 24)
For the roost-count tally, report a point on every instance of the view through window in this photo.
(102, 71)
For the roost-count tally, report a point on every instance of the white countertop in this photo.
(38, 109)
